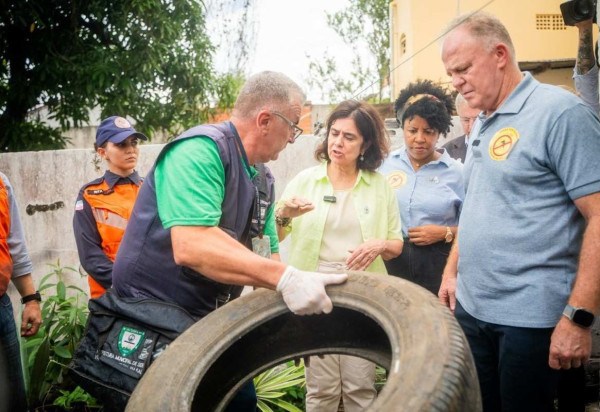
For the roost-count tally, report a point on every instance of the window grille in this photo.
(549, 22)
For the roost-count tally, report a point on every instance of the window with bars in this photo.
(549, 22)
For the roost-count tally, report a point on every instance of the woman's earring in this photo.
(361, 158)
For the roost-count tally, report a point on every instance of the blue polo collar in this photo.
(112, 179)
(402, 154)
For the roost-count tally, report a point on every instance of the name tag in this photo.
(262, 246)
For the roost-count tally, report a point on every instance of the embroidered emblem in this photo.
(129, 340)
(502, 143)
(122, 123)
(79, 205)
(396, 179)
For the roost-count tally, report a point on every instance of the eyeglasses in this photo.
(297, 131)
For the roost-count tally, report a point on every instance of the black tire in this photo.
(387, 320)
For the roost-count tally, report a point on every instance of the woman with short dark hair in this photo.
(342, 215)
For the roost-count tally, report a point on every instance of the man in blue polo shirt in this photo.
(524, 278)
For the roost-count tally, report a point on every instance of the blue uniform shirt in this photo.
(520, 232)
(431, 196)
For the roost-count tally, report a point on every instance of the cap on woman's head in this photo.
(116, 129)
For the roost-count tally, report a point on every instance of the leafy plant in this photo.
(70, 399)
(380, 378)
(281, 388)
(64, 315)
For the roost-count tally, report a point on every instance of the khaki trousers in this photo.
(333, 376)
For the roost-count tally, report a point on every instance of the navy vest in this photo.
(145, 266)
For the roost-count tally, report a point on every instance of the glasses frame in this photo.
(297, 130)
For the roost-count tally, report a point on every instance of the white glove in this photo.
(304, 292)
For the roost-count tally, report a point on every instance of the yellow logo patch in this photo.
(503, 142)
(396, 179)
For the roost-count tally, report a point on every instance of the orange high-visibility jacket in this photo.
(6, 263)
(102, 211)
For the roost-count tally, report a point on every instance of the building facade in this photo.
(543, 44)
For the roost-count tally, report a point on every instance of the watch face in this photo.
(583, 318)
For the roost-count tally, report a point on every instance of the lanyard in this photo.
(242, 153)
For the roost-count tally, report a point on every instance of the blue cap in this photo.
(115, 129)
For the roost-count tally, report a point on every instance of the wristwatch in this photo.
(283, 221)
(449, 235)
(33, 296)
(579, 316)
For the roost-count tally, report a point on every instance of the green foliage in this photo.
(64, 315)
(68, 400)
(281, 388)
(380, 378)
(228, 87)
(362, 23)
(148, 59)
(42, 137)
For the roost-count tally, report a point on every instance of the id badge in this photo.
(262, 246)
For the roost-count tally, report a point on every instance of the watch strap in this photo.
(33, 296)
(569, 311)
(449, 235)
(282, 221)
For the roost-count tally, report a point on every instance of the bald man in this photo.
(524, 277)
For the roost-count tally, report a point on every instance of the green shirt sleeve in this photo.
(190, 184)
(271, 229)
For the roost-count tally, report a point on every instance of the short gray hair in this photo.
(485, 27)
(264, 89)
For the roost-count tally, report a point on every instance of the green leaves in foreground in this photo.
(281, 388)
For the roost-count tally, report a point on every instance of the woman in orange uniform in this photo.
(104, 205)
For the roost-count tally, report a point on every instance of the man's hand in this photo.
(304, 292)
(32, 318)
(447, 293)
(570, 345)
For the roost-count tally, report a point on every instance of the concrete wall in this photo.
(312, 118)
(46, 185)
